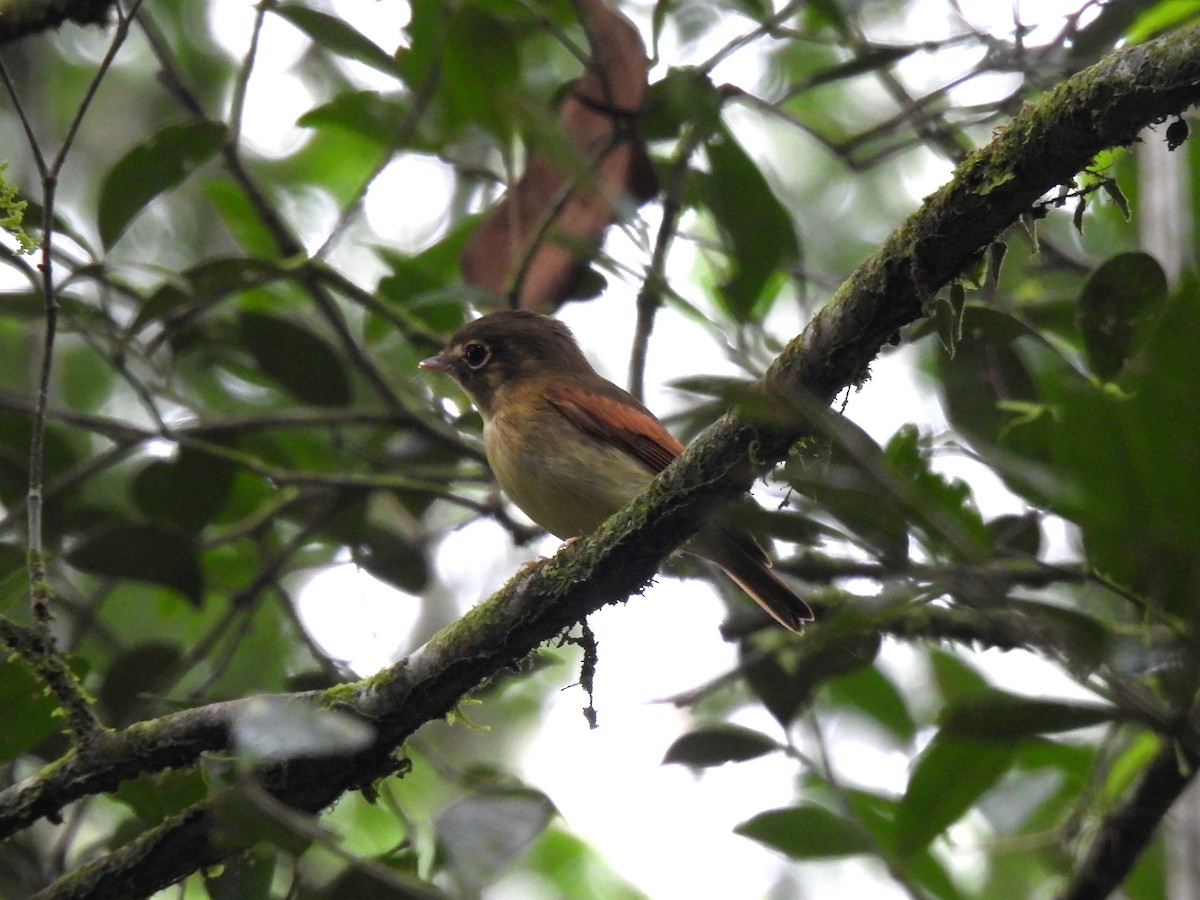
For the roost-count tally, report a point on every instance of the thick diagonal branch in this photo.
(1125, 833)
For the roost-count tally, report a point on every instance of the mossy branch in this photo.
(36, 648)
(1045, 145)
(25, 17)
(1128, 830)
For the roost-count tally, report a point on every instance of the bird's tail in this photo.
(743, 560)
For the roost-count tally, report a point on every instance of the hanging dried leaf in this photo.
(536, 243)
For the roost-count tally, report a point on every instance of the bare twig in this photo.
(767, 27)
(238, 104)
(649, 297)
(403, 134)
(36, 646)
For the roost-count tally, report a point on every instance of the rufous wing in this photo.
(605, 411)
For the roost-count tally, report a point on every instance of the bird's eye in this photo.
(476, 355)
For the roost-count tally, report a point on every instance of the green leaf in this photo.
(270, 729)
(996, 252)
(134, 675)
(336, 36)
(1013, 535)
(990, 394)
(156, 797)
(1161, 17)
(25, 306)
(336, 161)
(1151, 875)
(14, 576)
(481, 69)
(948, 317)
(870, 692)
(805, 832)
(858, 504)
(203, 285)
(1117, 303)
(86, 377)
(758, 10)
(942, 507)
(1088, 640)
(305, 365)
(391, 557)
(27, 711)
(1130, 764)
(142, 553)
(846, 484)
(772, 684)
(152, 167)
(482, 834)
(955, 678)
(998, 715)
(827, 13)
(240, 216)
(1118, 197)
(242, 821)
(684, 97)
(949, 776)
(421, 59)
(422, 286)
(369, 113)
(576, 868)
(877, 814)
(269, 651)
(186, 492)
(785, 681)
(245, 876)
(716, 745)
(758, 232)
(927, 870)
(1131, 458)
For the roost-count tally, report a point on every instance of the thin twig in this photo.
(420, 104)
(36, 646)
(585, 176)
(931, 127)
(30, 135)
(649, 298)
(122, 32)
(397, 883)
(767, 27)
(850, 816)
(238, 105)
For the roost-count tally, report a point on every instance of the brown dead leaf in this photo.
(538, 240)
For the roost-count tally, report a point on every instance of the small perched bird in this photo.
(570, 448)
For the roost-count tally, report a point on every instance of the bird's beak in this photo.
(435, 364)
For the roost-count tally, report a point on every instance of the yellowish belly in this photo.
(568, 483)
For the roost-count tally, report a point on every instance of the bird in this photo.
(570, 448)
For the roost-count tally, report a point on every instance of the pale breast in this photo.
(561, 477)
